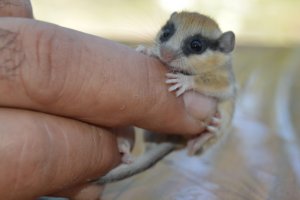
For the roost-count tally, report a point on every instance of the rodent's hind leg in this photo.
(196, 145)
(124, 147)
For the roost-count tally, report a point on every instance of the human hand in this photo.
(63, 93)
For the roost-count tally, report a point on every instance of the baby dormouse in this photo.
(198, 56)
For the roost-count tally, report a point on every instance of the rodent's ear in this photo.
(227, 42)
(173, 14)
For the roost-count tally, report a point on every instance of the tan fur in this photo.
(215, 84)
(209, 61)
(189, 24)
(192, 22)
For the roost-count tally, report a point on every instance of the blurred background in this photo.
(262, 22)
(260, 158)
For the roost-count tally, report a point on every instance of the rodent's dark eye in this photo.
(197, 46)
(167, 31)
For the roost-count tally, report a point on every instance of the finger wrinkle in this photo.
(65, 155)
(50, 153)
(17, 8)
(56, 150)
(8, 3)
(149, 90)
(11, 56)
(43, 77)
(102, 158)
(68, 155)
(155, 91)
(7, 38)
(20, 160)
(96, 138)
(85, 74)
(97, 157)
(149, 83)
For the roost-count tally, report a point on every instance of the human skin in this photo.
(63, 96)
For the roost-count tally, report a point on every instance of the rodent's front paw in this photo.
(141, 49)
(180, 82)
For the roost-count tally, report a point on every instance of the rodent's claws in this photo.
(215, 123)
(171, 75)
(181, 81)
(170, 81)
(180, 91)
(174, 87)
(212, 129)
(216, 120)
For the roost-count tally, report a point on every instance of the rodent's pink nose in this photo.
(167, 54)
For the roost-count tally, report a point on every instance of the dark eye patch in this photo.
(167, 31)
(198, 44)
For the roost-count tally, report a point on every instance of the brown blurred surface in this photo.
(258, 160)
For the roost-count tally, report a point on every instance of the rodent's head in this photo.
(190, 41)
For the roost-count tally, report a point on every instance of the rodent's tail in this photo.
(143, 163)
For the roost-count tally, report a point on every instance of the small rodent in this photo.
(198, 56)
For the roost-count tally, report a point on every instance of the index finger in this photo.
(65, 72)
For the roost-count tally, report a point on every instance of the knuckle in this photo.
(45, 72)
(18, 8)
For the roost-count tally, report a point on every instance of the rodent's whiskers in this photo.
(179, 53)
(156, 43)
